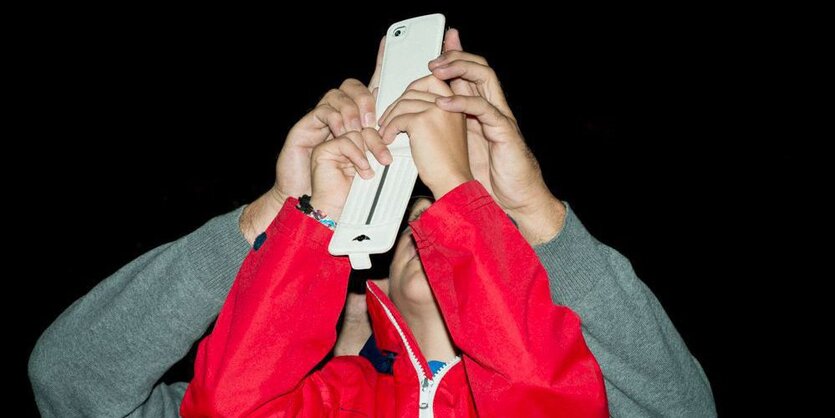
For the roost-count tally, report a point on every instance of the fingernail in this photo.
(369, 120)
(438, 60)
(356, 125)
(387, 157)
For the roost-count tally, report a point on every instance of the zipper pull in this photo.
(425, 384)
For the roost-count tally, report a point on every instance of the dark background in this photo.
(139, 125)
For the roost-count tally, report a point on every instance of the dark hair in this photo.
(412, 200)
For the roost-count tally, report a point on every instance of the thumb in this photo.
(378, 67)
(452, 40)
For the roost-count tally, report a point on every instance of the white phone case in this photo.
(375, 207)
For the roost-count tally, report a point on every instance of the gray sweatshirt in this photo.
(104, 356)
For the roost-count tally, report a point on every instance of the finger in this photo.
(361, 95)
(397, 124)
(374, 143)
(356, 138)
(410, 95)
(452, 40)
(463, 87)
(430, 84)
(345, 105)
(481, 75)
(405, 106)
(449, 56)
(478, 107)
(330, 118)
(346, 147)
(378, 68)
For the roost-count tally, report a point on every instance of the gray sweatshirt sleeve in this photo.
(647, 368)
(105, 354)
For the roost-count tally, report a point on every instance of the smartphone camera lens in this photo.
(398, 32)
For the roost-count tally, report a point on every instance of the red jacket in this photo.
(522, 356)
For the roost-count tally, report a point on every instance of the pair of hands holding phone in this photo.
(327, 147)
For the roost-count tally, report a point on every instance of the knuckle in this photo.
(351, 82)
(413, 84)
(323, 107)
(334, 117)
(350, 111)
(451, 55)
(332, 93)
(344, 143)
(365, 99)
(370, 135)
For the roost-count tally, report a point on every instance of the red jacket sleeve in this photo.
(523, 355)
(277, 324)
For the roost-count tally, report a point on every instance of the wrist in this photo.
(439, 190)
(540, 221)
(332, 211)
(258, 215)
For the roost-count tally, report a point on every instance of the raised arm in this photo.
(646, 365)
(277, 324)
(279, 320)
(106, 353)
(524, 355)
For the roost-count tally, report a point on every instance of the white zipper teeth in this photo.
(442, 371)
(412, 356)
(432, 384)
(436, 381)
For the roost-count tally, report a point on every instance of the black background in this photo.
(139, 125)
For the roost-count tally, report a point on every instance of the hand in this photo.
(334, 164)
(437, 137)
(349, 108)
(499, 157)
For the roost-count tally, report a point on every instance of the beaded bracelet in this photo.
(306, 208)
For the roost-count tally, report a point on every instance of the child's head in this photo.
(408, 286)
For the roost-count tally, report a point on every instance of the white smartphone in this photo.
(374, 207)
